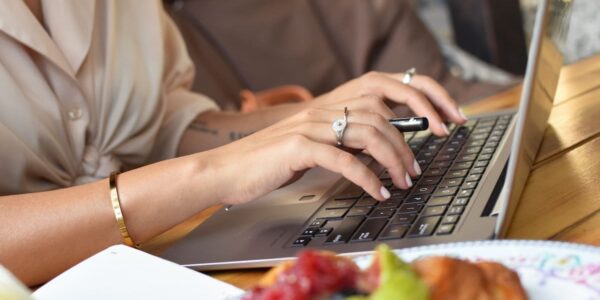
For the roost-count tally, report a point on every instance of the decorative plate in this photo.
(548, 270)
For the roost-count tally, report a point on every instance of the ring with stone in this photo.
(408, 75)
(339, 127)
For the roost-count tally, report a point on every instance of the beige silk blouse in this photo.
(101, 85)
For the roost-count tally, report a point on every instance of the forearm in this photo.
(42, 234)
(214, 129)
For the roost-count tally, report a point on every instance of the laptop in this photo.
(469, 189)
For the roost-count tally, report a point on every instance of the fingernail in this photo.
(462, 114)
(384, 192)
(445, 128)
(408, 181)
(417, 168)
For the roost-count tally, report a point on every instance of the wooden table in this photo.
(561, 200)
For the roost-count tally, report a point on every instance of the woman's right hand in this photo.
(266, 160)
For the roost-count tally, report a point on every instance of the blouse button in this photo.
(75, 113)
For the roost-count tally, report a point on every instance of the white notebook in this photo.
(121, 272)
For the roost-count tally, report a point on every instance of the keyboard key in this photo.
(424, 226)
(462, 165)
(414, 148)
(472, 150)
(426, 155)
(318, 223)
(466, 157)
(492, 144)
(324, 231)
(473, 177)
(423, 163)
(434, 211)
(450, 149)
(301, 241)
(427, 189)
(465, 193)
(451, 182)
(398, 193)
(369, 230)
(437, 140)
(403, 219)
(418, 140)
(343, 231)
(310, 231)
(331, 213)
(475, 143)
(488, 150)
(440, 201)
(445, 156)
(359, 211)
(456, 210)
(382, 213)
(393, 231)
(452, 219)
(340, 203)
(445, 191)
(469, 185)
(456, 143)
(460, 201)
(498, 132)
(366, 201)
(478, 170)
(435, 172)
(494, 138)
(441, 164)
(352, 192)
(457, 174)
(481, 163)
(390, 203)
(431, 147)
(445, 229)
(485, 156)
(430, 180)
(416, 199)
(410, 208)
(486, 129)
(481, 136)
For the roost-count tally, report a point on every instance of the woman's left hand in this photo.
(423, 95)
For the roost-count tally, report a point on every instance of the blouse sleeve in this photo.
(182, 106)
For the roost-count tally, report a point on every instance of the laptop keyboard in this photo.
(452, 167)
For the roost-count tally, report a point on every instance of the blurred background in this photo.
(252, 53)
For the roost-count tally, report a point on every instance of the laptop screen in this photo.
(539, 88)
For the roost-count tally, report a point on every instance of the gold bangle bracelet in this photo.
(116, 205)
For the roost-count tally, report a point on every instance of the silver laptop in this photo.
(469, 189)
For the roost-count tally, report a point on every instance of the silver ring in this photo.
(339, 127)
(408, 75)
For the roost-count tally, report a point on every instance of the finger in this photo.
(344, 163)
(438, 96)
(363, 137)
(395, 90)
(390, 132)
(369, 103)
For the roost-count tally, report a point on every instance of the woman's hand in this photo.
(266, 160)
(423, 95)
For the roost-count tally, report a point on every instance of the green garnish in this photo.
(398, 281)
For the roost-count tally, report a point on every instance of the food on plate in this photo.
(323, 275)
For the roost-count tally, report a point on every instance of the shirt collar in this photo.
(69, 22)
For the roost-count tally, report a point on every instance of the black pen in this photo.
(410, 124)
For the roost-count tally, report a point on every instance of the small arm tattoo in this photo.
(236, 135)
(203, 127)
